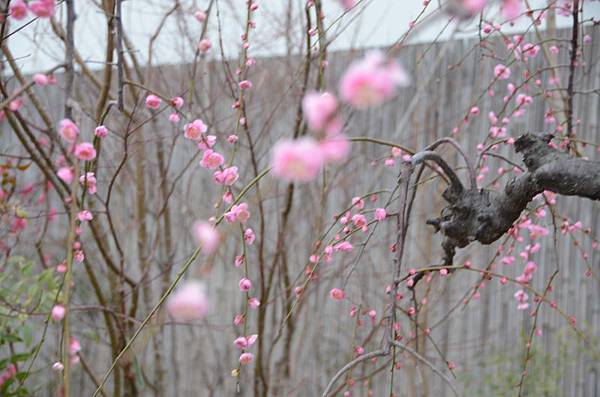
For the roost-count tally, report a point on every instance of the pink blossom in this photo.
(245, 284)
(344, 246)
(58, 366)
(536, 231)
(189, 302)
(9, 372)
(18, 224)
(574, 227)
(245, 84)
(508, 260)
(74, 346)
(249, 236)
(321, 112)
(380, 214)
(226, 177)
(531, 50)
(335, 148)
(85, 151)
(206, 236)
(511, 8)
(530, 268)
(40, 79)
(371, 80)
(359, 220)
(85, 216)
(358, 202)
(253, 303)
(68, 130)
(337, 294)
(90, 181)
(237, 213)
(523, 100)
(58, 312)
(347, 4)
(297, 160)
(522, 297)
(66, 174)
(177, 102)
(344, 219)
(245, 342)
(208, 142)
(502, 72)
(554, 80)
(15, 105)
(204, 45)
(246, 358)
(153, 102)
(200, 16)
(238, 261)
(101, 131)
(211, 159)
(42, 8)
(510, 87)
(18, 9)
(195, 129)
(550, 196)
(232, 139)
(174, 117)
(474, 6)
(228, 197)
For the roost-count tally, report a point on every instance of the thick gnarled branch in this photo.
(484, 216)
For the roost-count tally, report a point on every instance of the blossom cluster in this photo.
(367, 82)
(39, 8)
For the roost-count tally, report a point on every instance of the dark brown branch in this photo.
(572, 65)
(456, 189)
(69, 57)
(484, 216)
(120, 57)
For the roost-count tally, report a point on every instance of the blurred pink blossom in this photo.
(189, 302)
(371, 80)
(206, 236)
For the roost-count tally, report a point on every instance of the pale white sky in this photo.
(372, 23)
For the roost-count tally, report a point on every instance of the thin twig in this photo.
(427, 363)
(69, 56)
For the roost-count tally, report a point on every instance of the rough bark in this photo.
(484, 216)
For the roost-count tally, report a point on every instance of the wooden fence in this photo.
(484, 338)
